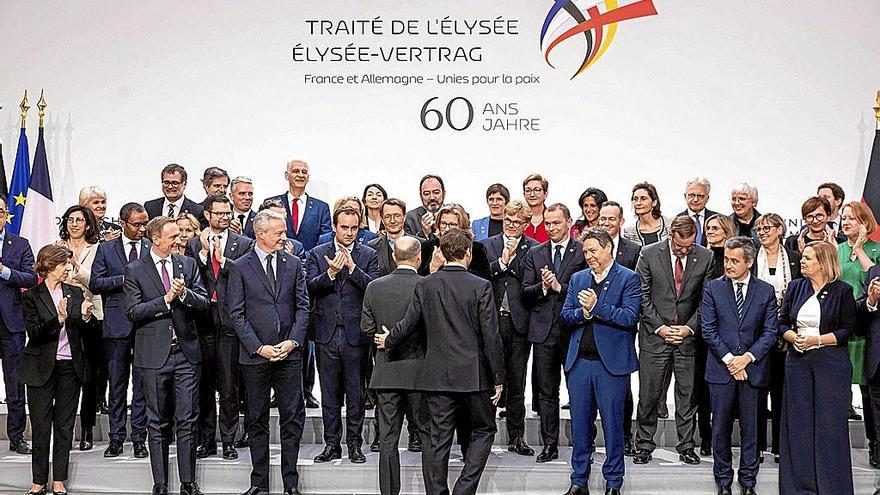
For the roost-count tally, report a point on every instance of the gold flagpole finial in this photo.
(42, 106)
(877, 109)
(24, 109)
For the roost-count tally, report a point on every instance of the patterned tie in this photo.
(133, 254)
(699, 229)
(215, 267)
(679, 275)
(557, 259)
(171, 210)
(294, 215)
(739, 299)
(270, 272)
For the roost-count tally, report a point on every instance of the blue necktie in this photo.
(699, 229)
(739, 299)
(557, 259)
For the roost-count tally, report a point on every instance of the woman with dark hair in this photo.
(374, 196)
(79, 232)
(57, 316)
(650, 225)
(497, 197)
(590, 202)
(815, 211)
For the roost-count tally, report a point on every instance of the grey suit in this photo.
(662, 306)
(413, 223)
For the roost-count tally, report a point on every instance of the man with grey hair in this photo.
(269, 309)
(696, 195)
(739, 323)
(394, 374)
(242, 196)
(743, 200)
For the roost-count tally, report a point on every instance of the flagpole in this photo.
(24, 110)
(877, 109)
(42, 106)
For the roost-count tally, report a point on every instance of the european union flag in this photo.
(38, 225)
(18, 189)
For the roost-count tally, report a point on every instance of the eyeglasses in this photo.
(392, 216)
(694, 197)
(513, 223)
(138, 225)
(449, 225)
(76, 220)
(765, 228)
(818, 217)
(530, 191)
(171, 183)
(221, 213)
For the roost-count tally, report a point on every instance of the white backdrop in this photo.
(777, 93)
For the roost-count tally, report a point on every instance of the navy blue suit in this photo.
(725, 333)
(16, 255)
(315, 221)
(108, 275)
(601, 384)
(869, 326)
(335, 326)
(260, 317)
(363, 236)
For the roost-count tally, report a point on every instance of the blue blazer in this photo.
(837, 306)
(869, 326)
(614, 318)
(261, 317)
(726, 333)
(19, 258)
(315, 221)
(108, 275)
(339, 301)
(364, 236)
(480, 227)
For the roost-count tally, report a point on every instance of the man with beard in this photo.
(421, 221)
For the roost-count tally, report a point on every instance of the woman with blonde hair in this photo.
(190, 228)
(94, 198)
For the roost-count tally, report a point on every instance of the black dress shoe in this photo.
(853, 415)
(273, 404)
(520, 447)
(311, 402)
(255, 491)
(374, 447)
(643, 456)
(292, 491)
(330, 452)
(140, 450)
(206, 450)
(229, 452)
(41, 491)
(724, 490)
(160, 489)
(873, 456)
(355, 455)
(502, 413)
(663, 411)
(689, 457)
(629, 448)
(566, 406)
(20, 447)
(102, 407)
(705, 449)
(748, 490)
(190, 488)
(86, 443)
(577, 490)
(548, 453)
(242, 443)
(415, 442)
(114, 449)
(612, 491)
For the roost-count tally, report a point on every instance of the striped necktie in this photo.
(739, 299)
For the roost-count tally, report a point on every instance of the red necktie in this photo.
(294, 215)
(679, 275)
(215, 267)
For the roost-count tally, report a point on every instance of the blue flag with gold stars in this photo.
(18, 188)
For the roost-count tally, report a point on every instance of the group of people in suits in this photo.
(432, 319)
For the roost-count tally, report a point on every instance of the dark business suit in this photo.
(628, 256)
(265, 315)
(315, 221)
(364, 236)
(814, 443)
(727, 332)
(335, 327)
(108, 272)
(247, 223)
(385, 254)
(479, 261)
(704, 215)
(662, 306)
(602, 383)
(513, 326)
(53, 385)
(394, 377)
(154, 209)
(412, 224)
(548, 334)
(219, 343)
(16, 254)
(168, 352)
(869, 326)
(464, 360)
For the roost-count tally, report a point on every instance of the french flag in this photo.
(38, 223)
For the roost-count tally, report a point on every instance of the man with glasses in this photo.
(108, 271)
(393, 213)
(16, 273)
(242, 196)
(696, 195)
(535, 193)
(213, 250)
(506, 252)
(672, 275)
(173, 202)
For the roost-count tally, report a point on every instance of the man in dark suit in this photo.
(869, 318)
(602, 305)
(269, 309)
(696, 195)
(242, 196)
(835, 196)
(463, 371)
(506, 252)
(739, 323)
(163, 295)
(16, 273)
(213, 249)
(338, 273)
(108, 274)
(672, 276)
(173, 202)
(394, 375)
(452, 216)
(393, 212)
(420, 221)
(307, 217)
(546, 271)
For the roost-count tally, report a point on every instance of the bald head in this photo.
(408, 251)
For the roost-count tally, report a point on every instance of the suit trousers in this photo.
(777, 378)
(119, 370)
(593, 388)
(516, 359)
(52, 407)
(340, 365)
(11, 347)
(874, 395)
(308, 366)
(701, 393)
(285, 378)
(444, 408)
(549, 358)
(94, 389)
(227, 385)
(172, 396)
(391, 408)
(729, 401)
(209, 330)
(652, 368)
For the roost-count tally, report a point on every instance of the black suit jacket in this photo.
(544, 309)
(704, 215)
(412, 224)
(869, 326)
(385, 254)
(509, 281)
(464, 351)
(43, 328)
(479, 262)
(154, 208)
(152, 320)
(385, 303)
(628, 253)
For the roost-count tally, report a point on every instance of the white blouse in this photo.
(808, 319)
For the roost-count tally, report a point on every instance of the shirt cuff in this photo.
(752, 356)
(871, 309)
(203, 257)
(657, 330)
(691, 330)
(6, 273)
(727, 358)
(182, 297)
(502, 265)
